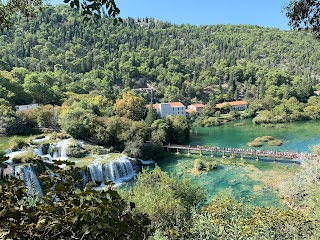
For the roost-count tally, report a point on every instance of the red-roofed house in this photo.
(173, 108)
(235, 105)
(196, 107)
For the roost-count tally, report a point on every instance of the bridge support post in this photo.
(232, 155)
(241, 157)
(224, 154)
(200, 153)
(188, 151)
(178, 151)
(212, 154)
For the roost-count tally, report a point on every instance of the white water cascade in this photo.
(117, 171)
(39, 152)
(27, 173)
(60, 149)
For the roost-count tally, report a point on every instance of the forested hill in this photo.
(58, 52)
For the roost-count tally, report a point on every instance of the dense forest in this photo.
(58, 52)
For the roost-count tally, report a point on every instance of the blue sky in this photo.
(201, 12)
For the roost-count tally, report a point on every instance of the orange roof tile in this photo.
(176, 104)
(155, 106)
(233, 103)
(190, 110)
(236, 103)
(198, 105)
(219, 105)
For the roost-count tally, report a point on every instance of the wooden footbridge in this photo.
(240, 152)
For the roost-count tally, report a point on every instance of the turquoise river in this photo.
(260, 180)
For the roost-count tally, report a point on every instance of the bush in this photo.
(76, 150)
(276, 142)
(198, 164)
(17, 143)
(27, 157)
(211, 165)
(255, 144)
(263, 139)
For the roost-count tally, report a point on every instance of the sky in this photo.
(266, 13)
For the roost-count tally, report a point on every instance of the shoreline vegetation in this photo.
(260, 141)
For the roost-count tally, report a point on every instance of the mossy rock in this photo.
(61, 136)
(39, 137)
(45, 148)
(98, 150)
(17, 143)
(276, 142)
(255, 144)
(28, 157)
(76, 151)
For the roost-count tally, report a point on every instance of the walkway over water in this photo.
(276, 155)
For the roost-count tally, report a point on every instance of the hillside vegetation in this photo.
(58, 52)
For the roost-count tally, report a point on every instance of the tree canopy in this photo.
(304, 14)
(90, 10)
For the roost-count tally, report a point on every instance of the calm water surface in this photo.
(298, 136)
(250, 178)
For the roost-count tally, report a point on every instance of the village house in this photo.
(173, 108)
(234, 105)
(26, 107)
(196, 107)
(317, 92)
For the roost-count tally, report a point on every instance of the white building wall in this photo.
(165, 109)
(240, 107)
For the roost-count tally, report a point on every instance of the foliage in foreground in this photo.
(167, 200)
(65, 212)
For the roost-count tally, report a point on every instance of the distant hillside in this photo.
(182, 62)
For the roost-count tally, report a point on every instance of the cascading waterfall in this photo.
(117, 171)
(27, 173)
(60, 149)
(39, 152)
(98, 171)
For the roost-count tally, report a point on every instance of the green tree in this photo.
(130, 106)
(166, 199)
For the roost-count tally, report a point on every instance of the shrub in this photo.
(27, 157)
(263, 139)
(211, 165)
(198, 164)
(255, 144)
(17, 143)
(76, 150)
(276, 142)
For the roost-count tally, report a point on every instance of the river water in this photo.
(298, 136)
(247, 178)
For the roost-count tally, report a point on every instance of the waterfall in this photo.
(28, 174)
(118, 171)
(38, 151)
(60, 149)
